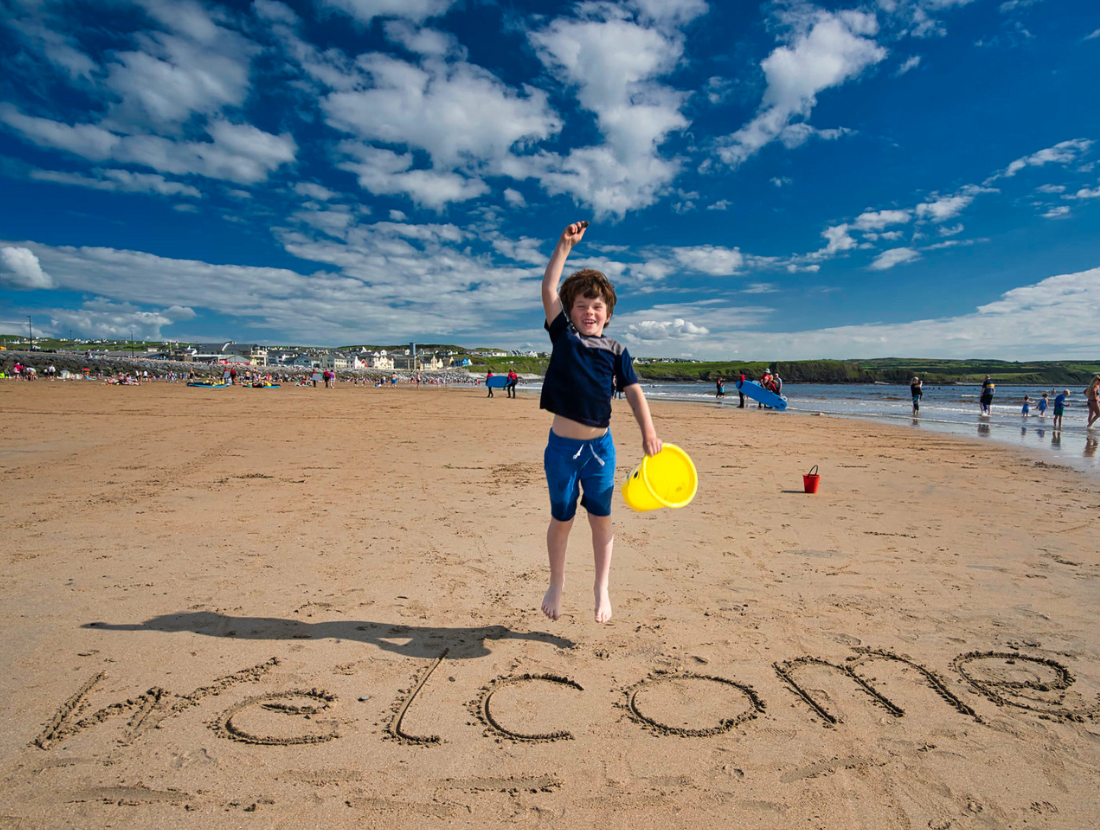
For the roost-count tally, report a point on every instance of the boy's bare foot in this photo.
(603, 605)
(551, 603)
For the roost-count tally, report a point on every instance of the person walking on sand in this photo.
(916, 387)
(513, 381)
(988, 387)
(488, 375)
(1092, 398)
(580, 453)
(740, 383)
(1060, 408)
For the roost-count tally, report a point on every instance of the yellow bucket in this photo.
(667, 479)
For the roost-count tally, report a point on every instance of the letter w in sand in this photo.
(148, 709)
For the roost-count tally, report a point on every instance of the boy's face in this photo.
(589, 315)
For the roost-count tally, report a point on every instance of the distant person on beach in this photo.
(580, 453)
(988, 387)
(740, 394)
(1043, 406)
(488, 375)
(1092, 398)
(719, 388)
(1026, 411)
(765, 382)
(916, 387)
(1060, 408)
(513, 381)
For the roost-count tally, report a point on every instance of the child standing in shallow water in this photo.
(585, 368)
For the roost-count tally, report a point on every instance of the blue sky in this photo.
(765, 180)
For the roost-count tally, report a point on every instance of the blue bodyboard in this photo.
(497, 381)
(752, 389)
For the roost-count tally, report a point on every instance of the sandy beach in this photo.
(310, 608)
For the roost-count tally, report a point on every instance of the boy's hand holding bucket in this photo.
(665, 479)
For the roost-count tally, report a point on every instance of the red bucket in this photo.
(811, 480)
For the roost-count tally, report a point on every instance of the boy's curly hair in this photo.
(591, 283)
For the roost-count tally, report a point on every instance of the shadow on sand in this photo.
(406, 640)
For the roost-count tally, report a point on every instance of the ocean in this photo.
(951, 409)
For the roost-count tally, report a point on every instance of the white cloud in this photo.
(122, 181)
(759, 288)
(1051, 188)
(835, 49)
(951, 230)
(393, 279)
(1093, 36)
(614, 64)
(101, 317)
(458, 113)
(426, 42)
(366, 10)
(275, 12)
(57, 47)
(177, 313)
(657, 330)
(838, 240)
(877, 220)
(908, 65)
(514, 198)
(1052, 319)
(385, 172)
(171, 78)
(675, 323)
(20, 268)
(892, 257)
(397, 216)
(86, 140)
(721, 204)
(312, 190)
(710, 259)
(942, 208)
(1059, 212)
(1064, 152)
(334, 222)
(781, 181)
(239, 153)
(795, 135)
(670, 12)
(917, 18)
(525, 250)
(1084, 193)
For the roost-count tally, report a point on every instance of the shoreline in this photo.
(1084, 459)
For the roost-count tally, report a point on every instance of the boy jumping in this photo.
(580, 454)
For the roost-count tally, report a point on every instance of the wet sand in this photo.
(300, 607)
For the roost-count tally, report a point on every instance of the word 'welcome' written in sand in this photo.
(1035, 684)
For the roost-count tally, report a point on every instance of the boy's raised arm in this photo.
(551, 302)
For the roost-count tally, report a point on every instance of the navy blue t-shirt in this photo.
(578, 383)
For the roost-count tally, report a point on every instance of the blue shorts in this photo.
(572, 466)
